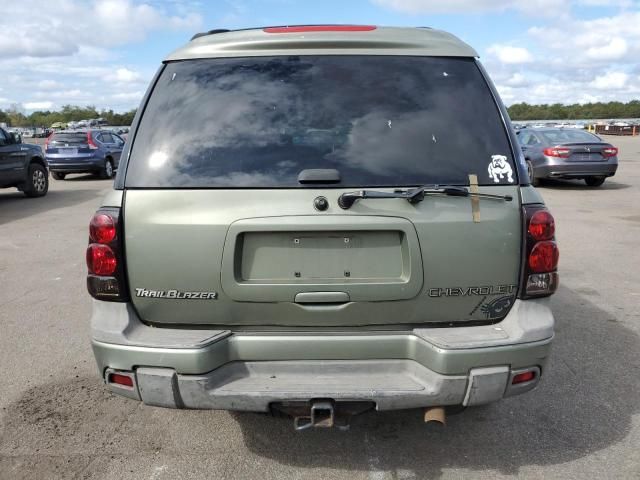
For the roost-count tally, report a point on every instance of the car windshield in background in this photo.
(569, 136)
(68, 139)
(257, 122)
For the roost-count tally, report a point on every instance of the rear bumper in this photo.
(249, 371)
(576, 170)
(88, 165)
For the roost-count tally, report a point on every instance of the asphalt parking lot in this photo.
(58, 421)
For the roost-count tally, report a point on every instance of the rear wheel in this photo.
(594, 181)
(107, 171)
(58, 176)
(37, 183)
(534, 181)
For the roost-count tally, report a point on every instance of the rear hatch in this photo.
(221, 228)
(68, 147)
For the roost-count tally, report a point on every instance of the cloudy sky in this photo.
(104, 52)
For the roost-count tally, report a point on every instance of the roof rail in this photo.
(210, 32)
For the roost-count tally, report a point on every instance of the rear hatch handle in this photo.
(415, 195)
(321, 297)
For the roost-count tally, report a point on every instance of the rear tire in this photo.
(594, 181)
(532, 178)
(37, 184)
(58, 176)
(107, 171)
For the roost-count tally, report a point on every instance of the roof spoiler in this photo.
(225, 30)
(210, 32)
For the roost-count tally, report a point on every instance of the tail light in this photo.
(105, 261)
(609, 152)
(541, 254)
(523, 377)
(46, 142)
(559, 152)
(124, 379)
(102, 228)
(101, 260)
(544, 257)
(90, 142)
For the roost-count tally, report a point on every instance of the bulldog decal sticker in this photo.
(499, 168)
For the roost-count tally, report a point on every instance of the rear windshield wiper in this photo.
(414, 195)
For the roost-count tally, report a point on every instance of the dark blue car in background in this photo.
(83, 151)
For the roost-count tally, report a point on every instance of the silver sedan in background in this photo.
(567, 153)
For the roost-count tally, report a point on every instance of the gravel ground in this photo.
(58, 421)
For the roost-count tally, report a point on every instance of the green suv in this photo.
(319, 221)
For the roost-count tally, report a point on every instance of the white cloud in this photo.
(67, 51)
(543, 8)
(614, 50)
(537, 7)
(49, 85)
(38, 105)
(610, 81)
(540, 86)
(577, 59)
(61, 28)
(451, 6)
(607, 3)
(66, 96)
(599, 40)
(124, 75)
(509, 54)
(83, 78)
(136, 96)
(517, 80)
(507, 93)
(540, 8)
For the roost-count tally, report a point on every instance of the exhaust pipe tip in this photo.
(435, 415)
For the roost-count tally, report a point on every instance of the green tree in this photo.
(558, 111)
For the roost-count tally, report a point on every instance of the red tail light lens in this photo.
(120, 379)
(101, 260)
(559, 152)
(542, 225)
(46, 142)
(320, 28)
(102, 228)
(544, 257)
(106, 280)
(540, 261)
(609, 152)
(523, 377)
(90, 142)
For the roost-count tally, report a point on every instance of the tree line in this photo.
(519, 112)
(585, 111)
(68, 113)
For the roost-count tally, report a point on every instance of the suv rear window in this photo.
(68, 138)
(257, 122)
